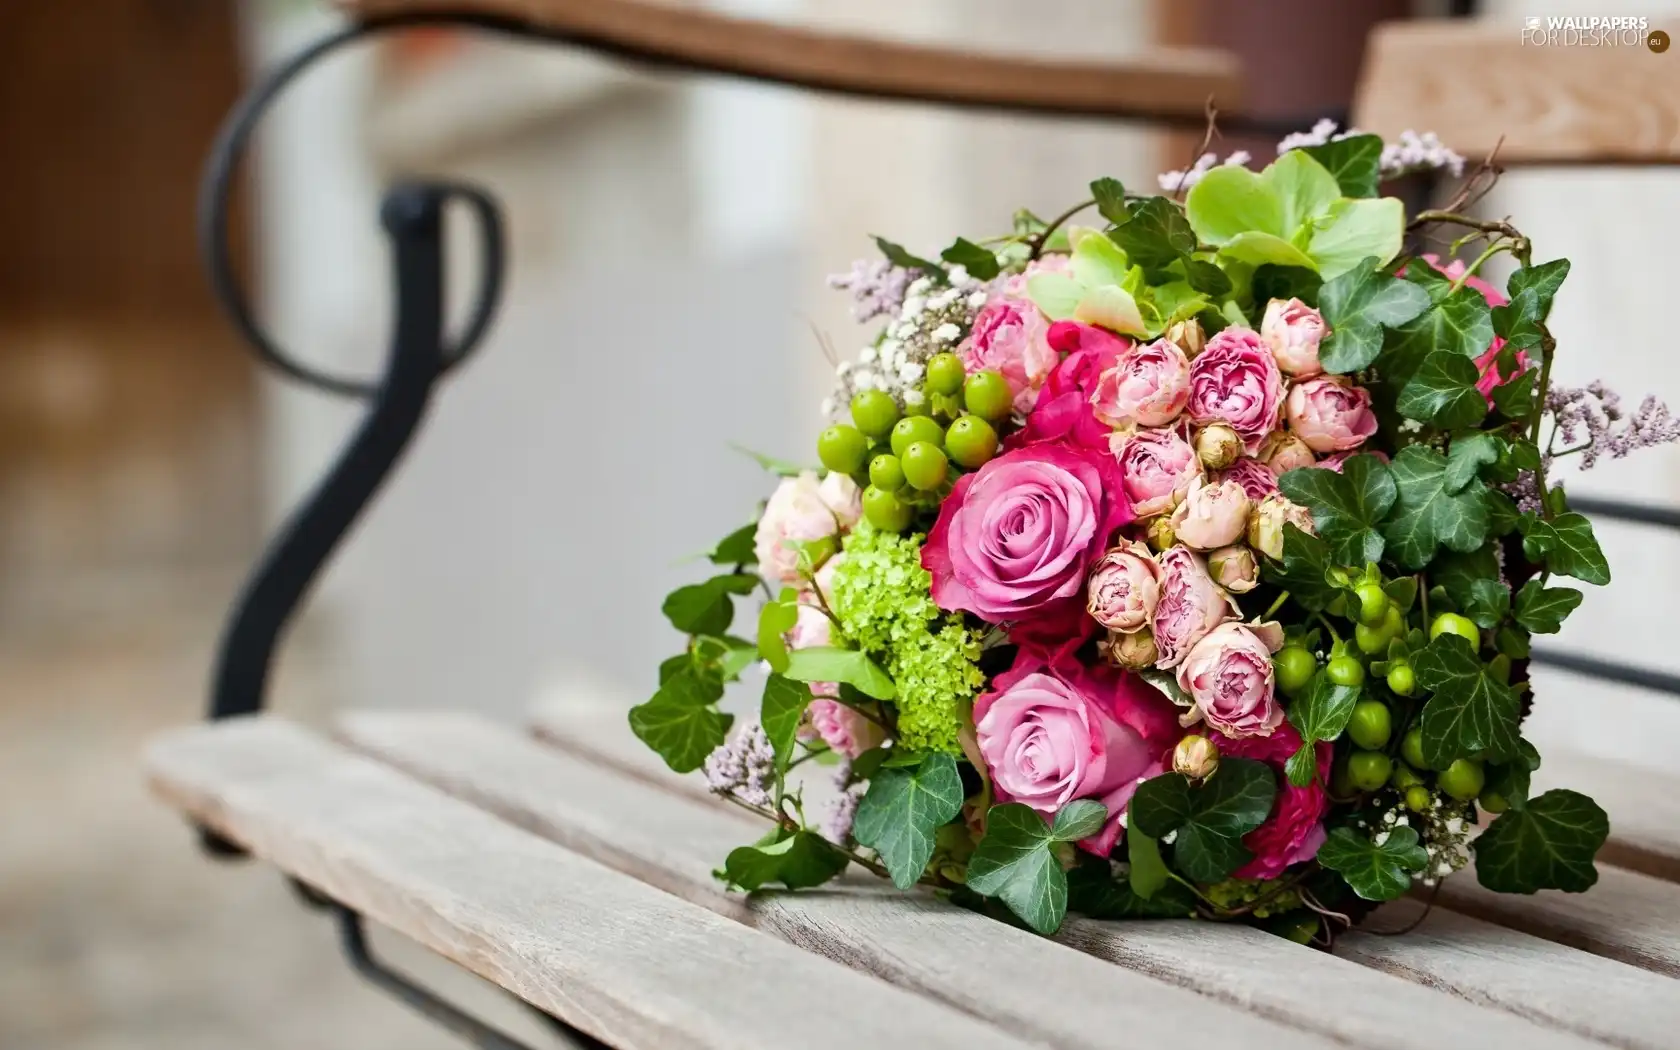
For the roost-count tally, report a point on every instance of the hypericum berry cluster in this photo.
(933, 318)
(1173, 181)
(877, 286)
(744, 766)
(1591, 418)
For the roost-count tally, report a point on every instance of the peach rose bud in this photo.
(1161, 535)
(1187, 336)
(1283, 452)
(1265, 524)
(1292, 331)
(1218, 446)
(1195, 757)
(1135, 651)
(1213, 514)
(1234, 568)
(1123, 588)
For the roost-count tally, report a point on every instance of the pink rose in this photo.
(1284, 452)
(1123, 588)
(1147, 386)
(1254, 476)
(841, 727)
(1213, 514)
(1008, 336)
(1292, 331)
(1229, 676)
(796, 513)
(811, 627)
(1295, 829)
(1336, 462)
(1190, 606)
(1051, 736)
(1063, 411)
(1156, 468)
(1331, 414)
(1015, 538)
(1234, 380)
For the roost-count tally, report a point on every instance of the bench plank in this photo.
(1547, 983)
(917, 940)
(612, 956)
(1644, 808)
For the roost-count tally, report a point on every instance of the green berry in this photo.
(925, 465)
(1452, 623)
(885, 510)
(1462, 780)
(1411, 748)
(924, 407)
(971, 441)
(988, 396)
(1346, 670)
(1371, 724)
(945, 374)
(1295, 667)
(1368, 770)
(1404, 777)
(1372, 640)
(1402, 680)
(874, 412)
(1418, 798)
(1493, 801)
(842, 448)
(911, 429)
(1373, 603)
(885, 472)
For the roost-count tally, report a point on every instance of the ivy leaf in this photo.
(1354, 161)
(1207, 278)
(978, 261)
(1346, 506)
(798, 861)
(1426, 516)
(1015, 863)
(1306, 559)
(898, 256)
(1146, 871)
(1470, 710)
(1156, 234)
(736, 548)
(1457, 573)
(1541, 610)
(1467, 455)
(1210, 819)
(1515, 397)
(1458, 323)
(901, 811)
(1443, 391)
(1376, 873)
(1490, 600)
(824, 663)
(1285, 282)
(1567, 545)
(706, 608)
(1357, 306)
(1532, 288)
(682, 731)
(1510, 780)
(1110, 196)
(780, 710)
(1321, 713)
(1549, 844)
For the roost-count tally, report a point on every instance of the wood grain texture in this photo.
(1160, 84)
(614, 956)
(1547, 983)
(1475, 82)
(912, 939)
(1644, 808)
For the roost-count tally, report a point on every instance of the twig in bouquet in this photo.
(1042, 237)
(1329, 931)
(1474, 189)
(1519, 246)
(1211, 113)
(824, 343)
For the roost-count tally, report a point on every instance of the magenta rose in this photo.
(1331, 414)
(1063, 411)
(1050, 736)
(1147, 386)
(1234, 380)
(1015, 539)
(1295, 829)
(1254, 476)
(1292, 331)
(1190, 606)
(1229, 676)
(1156, 468)
(1123, 588)
(1009, 337)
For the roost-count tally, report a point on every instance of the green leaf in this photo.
(1443, 391)
(682, 733)
(1147, 872)
(1426, 516)
(1321, 713)
(1207, 278)
(1209, 819)
(1079, 819)
(775, 620)
(1489, 601)
(1515, 397)
(1347, 507)
(1532, 288)
(1357, 305)
(1302, 767)
(1264, 249)
(779, 467)
(1230, 201)
(1457, 573)
(1467, 454)
(780, 710)
(1111, 307)
(898, 256)
(1567, 545)
(706, 608)
(1470, 710)
(1285, 282)
(736, 548)
(1304, 188)
(1098, 261)
(1094, 891)
(1110, 196)
(1376, 873)
(824, 663)
(1014, 862)
(1306, 558)
(1354, 161)
(1549, 844)
(901, 811)
(1457, 324)
(979, 262)
(1357, 230)
(799, 861)
(1156, 234)
(1541, 609)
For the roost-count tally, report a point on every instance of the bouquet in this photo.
(1180, 564)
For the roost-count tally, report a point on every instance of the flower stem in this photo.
(1499, 245)
(1055, 224)
(1276, 605)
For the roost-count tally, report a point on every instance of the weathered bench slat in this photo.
(674, 840)
(1548, 983)
(1644, 808)
(617, 958)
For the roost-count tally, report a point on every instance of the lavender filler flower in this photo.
(877, 286)
(744, 766)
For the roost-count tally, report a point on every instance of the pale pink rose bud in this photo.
(1218, 446)
(1187, 336)
(1156, 467)
(1146, 386)
(1160, 533)
(1213, 514)
(1195, 757)
(842, 496)
(1265, 524)
(1235, 381)
(1123, 588)
(1292, 331)
(797, 512)
(1284, 452)
(1234, 568)
(1190, 606)
(1229, 676)
(1330, 414)
(1135, 651)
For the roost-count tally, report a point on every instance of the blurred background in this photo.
(669, 241)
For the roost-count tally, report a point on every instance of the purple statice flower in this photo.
(1412, 152)
(877, 286)
(1591, 419)
(744, 766)
(1173, 181)
(1526, 491)
(1321, 132)
(837, 825)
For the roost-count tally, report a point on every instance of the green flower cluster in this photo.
(881, 593)
(1238, 893)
